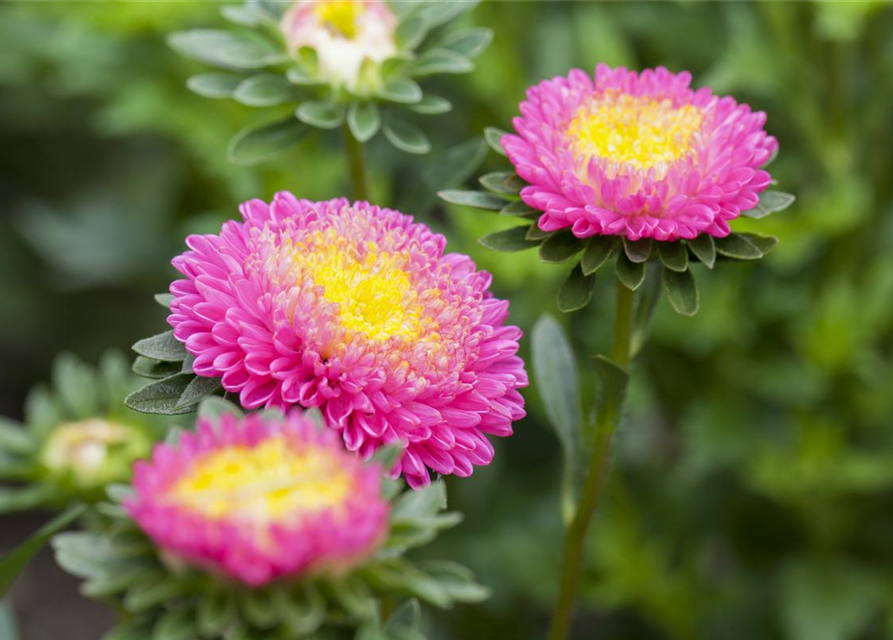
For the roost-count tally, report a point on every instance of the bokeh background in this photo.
(752, 487)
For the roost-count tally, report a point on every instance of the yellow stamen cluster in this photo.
(341, 15)
(262, 483)
(374, 293)
(642, 131)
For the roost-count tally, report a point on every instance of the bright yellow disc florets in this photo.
(642, 131)
(341, 14)
(262, 483)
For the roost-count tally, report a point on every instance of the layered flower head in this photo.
(260, 499)
(356, 310)
(640, 155)
(343, 33)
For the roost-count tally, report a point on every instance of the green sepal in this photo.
(630, 274)
(224, 49)
(151, 589)
(637, 250)
(673, 255)
(467, 42)
(576, 292)
(598, 250)
(764, 243)
(301, 608)
(151, 368)
(431, 105)
(257, 143)
(704, 249)
(215, 612)
(474, 199)
(498, 182)
(401, 91)
(259, 609)
(197, 390)
(519, 208)
(436, 61)
(770, 202)
(264, 90)
(406, 137)
(682, 291)
(458, 581)
(509, 240)
(13, 500)
(560, 247)
(535, 234)
(737, 247)
(162, 397)
(164, 299)
(15, 439)
(324, 115)
(214, 85)
(410, 33)
(176, 624)
(364, 120)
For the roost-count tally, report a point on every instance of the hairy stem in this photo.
(357, 165)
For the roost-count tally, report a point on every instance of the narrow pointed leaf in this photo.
(598, 250)
(467, 42)
(161, 397)
(682, 291)
(257, 143)
(12, 564)
(498, 182)
(164, 347)
(560, 247)
(519, 208)
(673, 255)
(704, 249)
(474, 199)
(197, 390)
(440, 61)
(630, 274)
(509, 240)
(576, 292)
(770, 202)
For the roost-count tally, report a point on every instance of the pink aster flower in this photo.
(640, 155)
(355, 310)
(260, 499)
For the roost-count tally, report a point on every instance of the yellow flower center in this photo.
(341, 15)
(373, 292)
(262, 483)
(641, 131)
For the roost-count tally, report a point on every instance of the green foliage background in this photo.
(752, 489)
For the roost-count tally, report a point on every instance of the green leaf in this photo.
(498, 182)
(467, 42)
(302, 608)
(770, 202)
(437, 13)
(704, 249)
(363, 120)
(576, 292)
(673, 255)
(474, 199)
(519, 208)
(151, 368)
(646, 303)
(613, 381)
(152, 589)
(14, 438)
(257, 143)
(215, 612)
(536, 234)
(258, 609)
(264, 90)
(738, 247)
(637, 250)
(76, 385)
(177, 624)
(12, 564)
(246, 16)
(223, 48)
(214, 85)
(630, 274)
(598, 250)
(682, 291)
(397, 574)
(410, 33)
(197, 390)
(764, 243)
(557, 381)
(431, 105)
(408, 614)
(458, 581)
(212, 407)
(509, 240)
(406, 137)
(164, 299)
(25, 498)
(324, 115)
(302, 76)
(161, 397)
(137, 629)
(401, 90)
(494, 138)
(560, 247)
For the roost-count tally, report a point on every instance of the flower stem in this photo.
(606, 423)
(357, 164)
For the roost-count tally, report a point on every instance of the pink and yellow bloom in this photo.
(356, 310)
(260, 500)
(343, 33)
(640, 155)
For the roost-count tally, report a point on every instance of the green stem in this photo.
(357, 164)
(606, 423)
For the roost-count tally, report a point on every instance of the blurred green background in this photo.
(752, 489)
